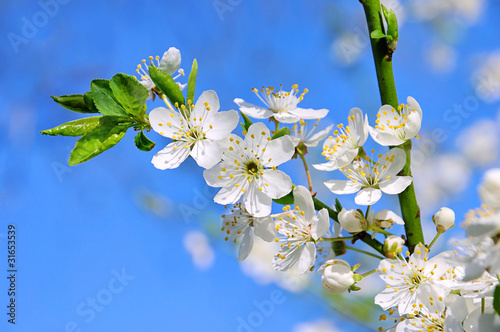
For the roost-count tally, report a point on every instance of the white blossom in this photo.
(169, 63)
(300, 227)
(404, 279)
(341, 150)
(239, 224)
(444, 219)
(394, 127)
(371, 179)
(301, 136)
(196, 131)
(489, 189)
(248, 169)
(282, 105)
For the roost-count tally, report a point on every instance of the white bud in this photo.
(444, 219)
(489, 189)
(352, 221)
(393, 245)
(337, 276)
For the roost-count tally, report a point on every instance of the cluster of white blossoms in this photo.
(452, 291)
(446, 292)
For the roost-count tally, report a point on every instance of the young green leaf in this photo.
(285, 200)
(247, 120)
(104, 136)
(377, 34)
(496, 299)
(74, 128)
(282, 132)
(130, 93)
(104, 99)
(143, 143)
(166, 84)
(89, 102)
(74, 103)
(392, 23)
(192, 80)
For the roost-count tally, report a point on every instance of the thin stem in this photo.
(483, 303)
(367, 211)
(307, 172)
(368, 273)
(434, 240)
(388, 95)
(167, 102)
(364, 252)
(333, 239)
(381, 230)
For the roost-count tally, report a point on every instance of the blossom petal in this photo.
(384, 139)
(265, 228)
(320, 224)
(413, 124)
(165, 122)
(221, 124)
(257, 138)
(229, 194)
(368, 196)
(388, 215)
(170, 61)
(278, 151)
(319, 136)
(395, 184)
(359, 126)
(275, 183)
(215, 177)
(207, 153)
(342, 187)
(246, 244)
(307, 257)
(303, 199)
(252, 110)
(286, 117)
(391, 168)
(257, 203)
(208, 98)
(309, 113)
(171, 156)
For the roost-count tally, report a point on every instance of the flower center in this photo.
(280, 101)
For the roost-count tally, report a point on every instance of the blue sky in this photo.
(83, 232)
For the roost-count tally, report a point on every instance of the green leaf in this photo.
(143, 143)
(392, 23)
(377, 34)
(88, 99)
(166, 84)
(282, 132)
(104, 136)
(496, 299)
(192, 80)
(104, 99)
(285, 200)
(130, 93)
(74, 103)
(74, 128)
(247, 120)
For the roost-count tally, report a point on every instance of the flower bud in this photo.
(393, 245)
(489, 189)
(352, 221)
(337, 276)
(444, 219)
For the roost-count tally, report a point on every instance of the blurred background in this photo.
(116, 245)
